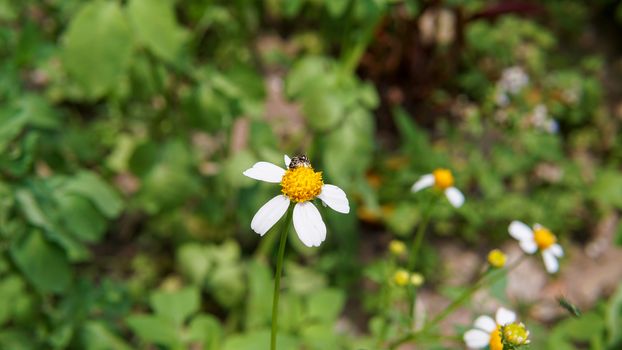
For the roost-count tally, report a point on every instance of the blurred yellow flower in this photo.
(397, 248)
(416, 279)
(401, 277)
(497, 258)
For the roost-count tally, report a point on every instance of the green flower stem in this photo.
(277, 275)
(385, 299)
(412, 261)
(487, 278)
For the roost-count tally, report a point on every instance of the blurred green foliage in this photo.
(125, 127)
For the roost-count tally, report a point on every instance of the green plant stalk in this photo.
(488, 278)
(277, 275)
(385, 301)
(425, 220)
(412, 261)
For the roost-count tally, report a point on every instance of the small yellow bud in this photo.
(397, 248)
(401, 277)
(496, 258)
(515, 334)
(416, 279)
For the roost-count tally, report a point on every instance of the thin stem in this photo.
(425, 219)
(277, 276)
(487, 278)
(412, 261)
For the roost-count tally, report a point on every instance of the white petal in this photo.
(520, 231)
(485, 323)
(287, 160)
(269, 214)
(265, 171)
(557, 250)
(309, 225)
(423, 182)
(529, 246)
(550, 261)
(505, 316)
(335, 198)
(476, 339)
(455, 197)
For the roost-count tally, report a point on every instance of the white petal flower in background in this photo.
(485, 332)
(513, 80)
(299, 184)
(538, 238)
(443, 180)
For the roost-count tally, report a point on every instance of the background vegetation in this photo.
(126, 125)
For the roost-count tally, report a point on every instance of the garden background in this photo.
(126, 126)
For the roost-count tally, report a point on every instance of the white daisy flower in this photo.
(443, 180)
(486, 331)
(299, 184)
(538, 238)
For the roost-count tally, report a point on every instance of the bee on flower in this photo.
(300, 184)
(493, 334)
(539, 238)
(442, 180)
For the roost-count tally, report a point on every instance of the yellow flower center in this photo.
(495, 339)
(544, 238)
(443, 179)
(516, 334)
(496, 258)
(301, 184)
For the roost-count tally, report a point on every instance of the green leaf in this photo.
(80, 217)
(322, 109)
(258, 312)
(326, 304)
(614, 319)
(103, 196)
(608, 188)
(16, 340)
(234, 167)
(404, 218)
(353, 138)
(43, 263)
(176, 306)
(193, 262)
(97, 336)
(320, 336)
(156, 27)
(260, 340)
(303, 280)
(28, 204)
(207, 330)
(97, 47)
(155, 329)
(336, 8)
(11, 289)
